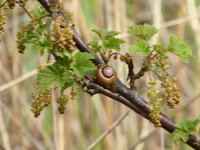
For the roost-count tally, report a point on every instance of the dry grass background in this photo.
(88, 119)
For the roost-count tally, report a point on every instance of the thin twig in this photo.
(113, 54)
(171, 23)
(112, 127)
(142, 140)
(26, 10)
(178, 21)
(141, 72)
(18, 80)
(26, 132)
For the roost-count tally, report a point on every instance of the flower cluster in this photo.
(25, 34)
(3, 21)
(152, 94)
(11, 3)
(40, 101)
(62, 101)
(73, 94)
(61, 35)
(171, 91)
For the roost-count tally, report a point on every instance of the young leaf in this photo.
(186, 125)
(65, 62)
(184, 128)
(100, 33)
(112, 43)
(60, 53)
(39, 12)
(93, 43)
(35, 46)
(82, 63)
(105, 35)
(34, 38)
(66, 84)
(53, 74)
(177, 46)
(110, 34)
(94, 46)
(179, 135)
(144, 31)
(197, 120)
(140, 46)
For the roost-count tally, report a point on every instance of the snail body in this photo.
(105, 75)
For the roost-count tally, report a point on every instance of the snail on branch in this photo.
(105, 75)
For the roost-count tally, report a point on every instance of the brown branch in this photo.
(166, 123)
(127, 96)
(116, 97)
(45, 4)
(141, 72)
(26, 10)
(131, 74)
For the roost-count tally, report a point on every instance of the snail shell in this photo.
(106, 75)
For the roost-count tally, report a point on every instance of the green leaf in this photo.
(91, 73)
(112, 43)
(108, 40)
(110, 34)
(94, 46)
(66, 84)
(144, 31)
(197, 120)
(140, 46)
(104, 34)
(47, 76)
(60, 53)
(100, 33)
(35, 39)
(184, 128)
(65, 62)
(178, 47)
(30, 46)
(179, 135)
(39, 45)
(82, 63)
(53, 74)
(186, 125)
(39, 12)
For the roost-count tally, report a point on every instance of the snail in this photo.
(105, 75)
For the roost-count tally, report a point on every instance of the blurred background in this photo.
(87, 120)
